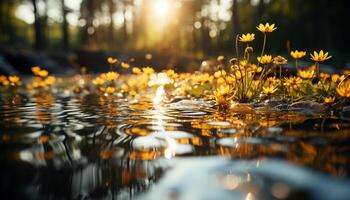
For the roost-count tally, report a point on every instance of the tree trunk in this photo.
(37, 27)
(125, 25)
(65, 33)
(111, 25)
(235, 18)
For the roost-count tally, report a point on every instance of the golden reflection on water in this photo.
(102, 132)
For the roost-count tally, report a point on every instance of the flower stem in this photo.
(264, 45)
(280, 71)
(296, 66)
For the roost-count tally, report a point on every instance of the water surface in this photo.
(71, 146)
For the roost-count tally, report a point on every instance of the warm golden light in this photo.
(161, 8)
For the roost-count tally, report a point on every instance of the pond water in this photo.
(59, 146)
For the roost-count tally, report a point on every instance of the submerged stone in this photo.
(308, 107)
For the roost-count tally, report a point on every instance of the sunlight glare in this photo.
(161, 8)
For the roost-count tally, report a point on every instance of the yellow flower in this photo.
(336, 78)
(267, 28)
(249, 37)
(230, 79)
(110, 90)
(238, 75)
(279, 60)
(148, 70)
(293, 82)
(221, 93)
(136, 70)
(202, 78)
(14, 80)
(325, 76)
(42, 73)
(297, 54)
(329, 100)
(320, 57)
(265, 59)
(272, 81)
(307, 74)
(344, 89)
(171, 73)
(50, 80)
(98, 81)
(220, 80)
(111, 76)
(256, 68)
(36, 70)
(3, 78)
(270, 89)
(112, 60)
(219, 74)
(125, 65)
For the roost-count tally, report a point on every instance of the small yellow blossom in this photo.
(230, 79)
(220, 80)
(220, 73)
(325, 76)
(112, 76)
(50, 80)
(268, 90)
(43, 73)
(3, 80)
(279, 60)
(336, 78)
(136, 70)
(221, 95)
(306, 74)
(329, 100)
(110, 90)
(344, 89)
(265, 59)
(171, 73)
(14, 80)
(112, 60)
(148, 70)
(256, 68)
(272, 81)
(297, 54)
(249, 37)
(267, 28)
(35, 70)
(320, 57)
(293, 82)
(125, 65)
(132, 93)
(98, 81)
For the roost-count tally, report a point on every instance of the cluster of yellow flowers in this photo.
(41, 79)
(106, 82)
(10, 80)
(242, 80)
(246, 81)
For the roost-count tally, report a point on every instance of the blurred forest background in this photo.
(75, 33)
